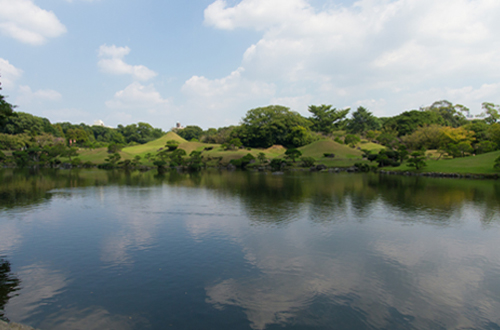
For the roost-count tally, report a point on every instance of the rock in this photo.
(13, 326)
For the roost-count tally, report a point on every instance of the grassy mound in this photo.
(319, 148)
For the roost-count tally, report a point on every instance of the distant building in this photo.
(179, 126)
(100, 123)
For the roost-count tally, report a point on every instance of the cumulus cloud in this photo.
(371, 49)
(137, 96)
(26, 95)
(28, 23)
(112, 62)
(225, 93)
(8, 73)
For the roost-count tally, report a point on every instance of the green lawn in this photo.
(481, 164)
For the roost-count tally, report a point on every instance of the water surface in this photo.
(240, 250)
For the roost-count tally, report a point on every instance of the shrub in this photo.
(307, 161)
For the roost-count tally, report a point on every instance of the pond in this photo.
(95, 249)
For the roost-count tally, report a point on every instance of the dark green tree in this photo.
(190, 132)
(6, 110)
(274, 124)
(325, 119)
(417, 160)
(293, 154)
(362, 121)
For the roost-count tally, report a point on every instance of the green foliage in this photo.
(409, 121)
(172, 145)
(13, 142)
(261, 157)
(20, 123)
(451, 114)
(195, 162)
(417, 160)
(277, 164)
(351, 140)
(233, 144)
(190, 132)
(274, 124)
(219, 136)
(177, 157)
(362, 121)
(494, 133)
(492, 112)
(484, 147)
(293, 154)
(307, 161)
(140, 133)
(6, 110)
(362, 167)
(113, 159)
(496, 165)
(242, 162)
(388, 138)
(2, 157)
(115, 147)
(385, 158)
(325, 119)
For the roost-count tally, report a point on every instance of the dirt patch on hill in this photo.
(276, 148)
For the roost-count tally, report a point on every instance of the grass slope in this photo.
(481, 164)
(319, 148)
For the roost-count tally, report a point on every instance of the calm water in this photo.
(111, 250)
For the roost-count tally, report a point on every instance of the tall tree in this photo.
(274, 124)
(6, 110)
(324, 118)
(362, 120)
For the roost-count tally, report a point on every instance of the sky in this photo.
(207, 62)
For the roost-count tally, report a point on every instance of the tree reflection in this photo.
(9, 284)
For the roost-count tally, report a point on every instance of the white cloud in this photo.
(222, 95)
(137, 96)
(112, 62)
(8, 73)
(26, 95)
(370, 50)
(28, 23)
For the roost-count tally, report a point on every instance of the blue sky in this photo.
(207, 62)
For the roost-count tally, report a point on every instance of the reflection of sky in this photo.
(324, 259)
(421, 276)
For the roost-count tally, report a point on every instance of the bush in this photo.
(172, 145)
(496, 166)
(327, 155)
(307, 161)
(362, 167)
(114, 147)
(277, 163)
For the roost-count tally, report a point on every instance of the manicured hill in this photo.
(370, 146)
(481, 164)
(319, 148)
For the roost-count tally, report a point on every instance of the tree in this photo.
(417, 160)
(351, 140)
(261, 157)
(325, 118)
(190, 132)
(293, 154)
(492, 112)
(274, 124)
(172, 145)
(409, 121)
(307, 161)
(6, 109)
(233, 144)
(452, 115)
(362, 121)
(496, 165)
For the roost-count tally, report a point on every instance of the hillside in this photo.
(319, 148)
